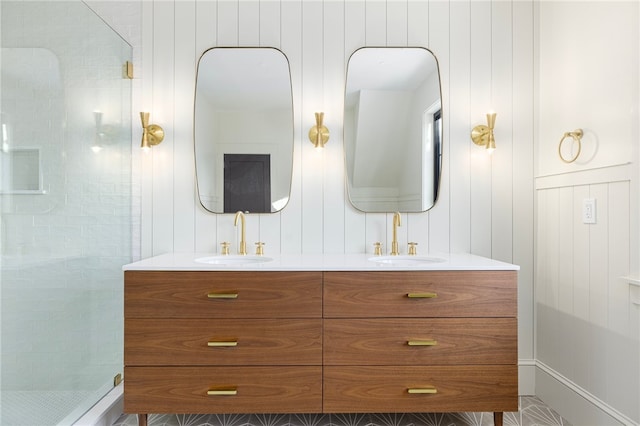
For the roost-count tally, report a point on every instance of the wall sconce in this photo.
(152, 134)
(482, 135)
(319, 134)
(576, 135)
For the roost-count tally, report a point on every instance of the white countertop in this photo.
(322, 262)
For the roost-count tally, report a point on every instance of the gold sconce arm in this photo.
(319, 134)
(152, 134)
(482, 135)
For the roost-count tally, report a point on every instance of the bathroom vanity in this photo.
(320, 334)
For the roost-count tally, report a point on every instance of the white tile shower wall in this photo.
(485, 52)
(62, 251)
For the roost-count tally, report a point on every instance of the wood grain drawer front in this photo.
(420, 294)
(429, 341)
(223, 342)
(437, 389)
(223, 390)
(205, 294)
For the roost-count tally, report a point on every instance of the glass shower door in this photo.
(65, 209)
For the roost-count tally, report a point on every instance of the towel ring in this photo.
(576, 135)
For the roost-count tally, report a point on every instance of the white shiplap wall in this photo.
(485, 52)
(587, 326)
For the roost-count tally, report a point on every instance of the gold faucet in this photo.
(243, 242)
(394, 243)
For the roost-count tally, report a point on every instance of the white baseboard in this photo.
(106, 411)
(573, 402)
(526, 377)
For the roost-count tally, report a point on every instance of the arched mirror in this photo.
(243, 130)
(393, 129)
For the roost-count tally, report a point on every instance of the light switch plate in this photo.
(589, 210)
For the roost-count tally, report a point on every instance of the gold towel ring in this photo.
(576, 135)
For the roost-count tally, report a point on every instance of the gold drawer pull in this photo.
(222, 392)
(222, 295)
(429, 389)
(422, 295)
(427, 342)
(222, 344)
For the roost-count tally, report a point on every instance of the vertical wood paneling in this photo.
(227, 24)
(206, 236)
(439, 44)
(523, 162)
(312, 102)
(565, 220)
(481, 84)
(598, 258)
(146, 161)
(356, 240)
(162, 112)
(249, 23)
(376, 23)
(291, 41)
(397, 23)
(581, 256)
(459, 126)
(417, 15)
(185, 201)
(485, 53)
(502, 103)
(334, 169)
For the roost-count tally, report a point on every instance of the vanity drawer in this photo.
(205, 294)
(257, 389)
(223, 342)
(420, 294)
(387, 389)
(431, 341)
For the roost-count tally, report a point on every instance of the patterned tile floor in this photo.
(533, 412)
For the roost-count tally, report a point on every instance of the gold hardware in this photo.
(222, 344)
(219, 392)
(483, 135)
(259, 248)
(412, 249)
(319, 134)
(422, 295)
(128, 70)
(427, 342)
(377, 248)
(243, 243)
(152, 134)
(428, 389)
(576, 135)
(222, 295)
(394, 243)
(224, 247)
(117, 379)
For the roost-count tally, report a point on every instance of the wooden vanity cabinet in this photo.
(420, 341)
(222, 342)
(311, 342)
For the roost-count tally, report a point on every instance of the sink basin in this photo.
(233, 260)
(405, 260)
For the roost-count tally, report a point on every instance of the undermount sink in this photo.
(233, 260)
(405, 260)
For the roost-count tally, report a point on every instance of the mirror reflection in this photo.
(393, 129)
(243, 130)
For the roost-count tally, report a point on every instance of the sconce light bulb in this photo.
(96, 148)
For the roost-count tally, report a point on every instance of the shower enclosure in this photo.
(65, 209)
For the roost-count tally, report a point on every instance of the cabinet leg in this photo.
(497, 418)
(142, 420)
